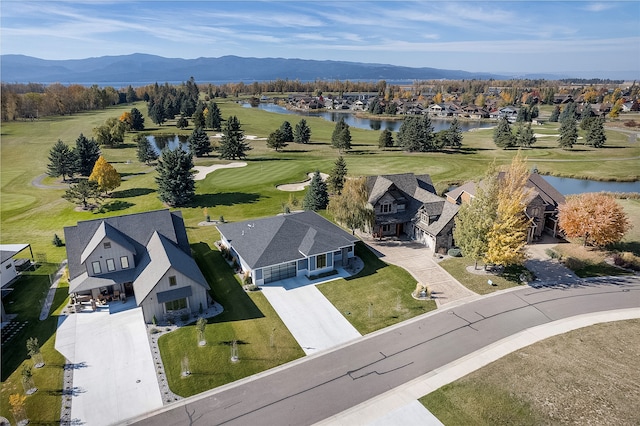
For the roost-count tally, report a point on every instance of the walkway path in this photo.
(419, 262)
(546, 269)
(44, 314)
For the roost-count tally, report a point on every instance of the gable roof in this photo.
(162, 255)
(418, 187)
(539, 186)
(136, 229)
(281, 239)
(106, 231)
(447, 212)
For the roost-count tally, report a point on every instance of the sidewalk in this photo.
(44, 314)
(401, 400)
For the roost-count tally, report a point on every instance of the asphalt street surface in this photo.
(314, 388)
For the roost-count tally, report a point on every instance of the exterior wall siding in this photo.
(100, 254)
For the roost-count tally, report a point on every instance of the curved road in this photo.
(314, 388)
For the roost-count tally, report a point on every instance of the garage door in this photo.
(279, 272)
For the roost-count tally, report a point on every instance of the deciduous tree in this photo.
(111, 133)
(475, 219)
(176, 186)
(351, 207)
(82, 192)
(62, 161)
(597, 218)
(232, 144)
(508, 235)
(105, 175)
(316, 197)
(276, 140)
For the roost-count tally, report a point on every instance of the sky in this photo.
(511, 36)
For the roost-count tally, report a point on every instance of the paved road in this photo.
(309, 390)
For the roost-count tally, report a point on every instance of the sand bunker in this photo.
(292, 187)
(247, 137)
(203, 171)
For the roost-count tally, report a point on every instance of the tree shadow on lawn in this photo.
(224, 199)
(225, 289)
(371, 262)
(115, 206)
(133, 192)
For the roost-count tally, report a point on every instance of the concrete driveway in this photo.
(419, 262)
(312, 320)
(114, 376)
(548, 271)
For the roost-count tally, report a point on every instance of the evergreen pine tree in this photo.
(213, 118)
(317, 197)
(176, 186)
(87, 152)
(341, 136)
(302, 132)
(524, 136)
(62, 161)
(568, 133)
(232, 144)
(199, 143)
(338, 176)
(555, 115)
(145, 152)
(502, 135)
(81, 192)
(596, 136)
(428, 140)
(568, 112)
(198, 116)
(409, 134)
(586, 118)
(182, 122)
(386, 139)
(137, 120)
(453, 137)
(287, 132)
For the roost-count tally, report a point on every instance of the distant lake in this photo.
(567, 186)
(160, 142)
(367, 123)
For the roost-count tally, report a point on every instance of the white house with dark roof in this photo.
(9, 263)
(407, 204)
(143, 255)
(287, 246)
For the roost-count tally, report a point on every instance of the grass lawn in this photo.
(377, 297)
(26, 301)
(457, 267)
(263, 341)
(586, 376)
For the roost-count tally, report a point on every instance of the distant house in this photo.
(287, 246)
(407, 204)
(143, 255)
(542, 204)
(10, 268)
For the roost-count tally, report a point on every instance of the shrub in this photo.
(185, 317)
(57, 241)
(627, 260)
(154, 320)
(154, 330)
(553, 254)
(573, 263)
(454, 252)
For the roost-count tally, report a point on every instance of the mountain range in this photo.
(143, 69)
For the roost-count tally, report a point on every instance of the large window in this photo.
(96, 267)
(321, 261)
(111, 265)
(176, 305)
(385, 208)
(124, 262)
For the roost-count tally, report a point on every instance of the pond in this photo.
(568, 186)
(160, 142)
(366, 123)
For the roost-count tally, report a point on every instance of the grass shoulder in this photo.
(477, 280)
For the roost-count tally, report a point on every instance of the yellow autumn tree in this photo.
(508, 235)
(437, 98)
(597, 218)
(127, 119)
(105, 175)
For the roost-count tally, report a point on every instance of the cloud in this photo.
(598, 7)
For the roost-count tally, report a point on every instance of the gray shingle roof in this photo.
(280, 239)
(106, 231)
(138, 229)
(162, 254)
(447, 213)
